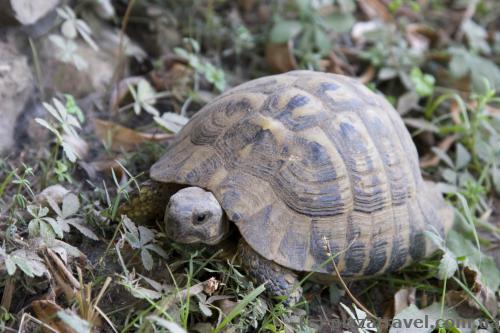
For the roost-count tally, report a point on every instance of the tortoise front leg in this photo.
(281, 281)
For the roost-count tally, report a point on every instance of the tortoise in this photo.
(309, 167)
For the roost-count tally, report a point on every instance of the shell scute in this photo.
(309, 166)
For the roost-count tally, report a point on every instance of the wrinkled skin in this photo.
(193, 215)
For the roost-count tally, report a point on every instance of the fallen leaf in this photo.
(175, 76)
(420, 36)
(119, 137)
(46, 311)
(461, 301)
(407, 102)
(108, 166)
(280, 56)
(55, 193)
(226, 305)
(430, 159)
(403, 298)
(375, 9)
(211, 286)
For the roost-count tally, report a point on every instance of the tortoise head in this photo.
(193, 215)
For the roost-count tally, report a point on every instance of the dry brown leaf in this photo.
(226, 305)
(375, 9)
(464, 304)
(430, 159)
(61, 267)
(46, 311)
(65, 280)
(108, 166)
(120, 138)
(367, 75)
(403, 298)
(455, 112)
(55, 193)
(175, 76)
(280, 56)
(338, 65)
(211, 286)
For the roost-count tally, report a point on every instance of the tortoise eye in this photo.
(200, 218)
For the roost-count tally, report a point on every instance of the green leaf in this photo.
(158, 250)
(459, 64)
(205, 310)
(449, 175)
(133, 240)
(322, 41)
(147, 259)
(443, 156)
(304, 7)
(69, 152)
(10, 265)
(484, 150)
(34, 228)
(146, 235)
(171, 121)
(215, 76)
(495, 174)
(463, 247)
(46, 232)
(347, 6)
(22, 263)
(283, 30)
(49, 127)
(484, 69)
(78, 224)
(55, 226)
(387, 73)
(340, 22)
(74, 321)
(423, 83)
(169, 325)
(422, 124)
(144, 293)
(70, 205)
(447, 266)
(462, 157)
(476, 36)
(130, 226)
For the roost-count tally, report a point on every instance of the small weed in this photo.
(211, 73)
(309, 30)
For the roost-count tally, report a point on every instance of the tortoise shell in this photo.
(309, 165)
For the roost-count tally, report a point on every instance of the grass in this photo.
(135, 279)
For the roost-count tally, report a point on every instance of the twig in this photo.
(62, 268)
(358, 303)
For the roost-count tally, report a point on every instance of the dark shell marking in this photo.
(310, 165)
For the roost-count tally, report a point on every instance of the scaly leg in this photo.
(281, 281)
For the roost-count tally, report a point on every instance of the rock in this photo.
(16, 85)
(64, 77)
(24, 12)
(99, 66)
